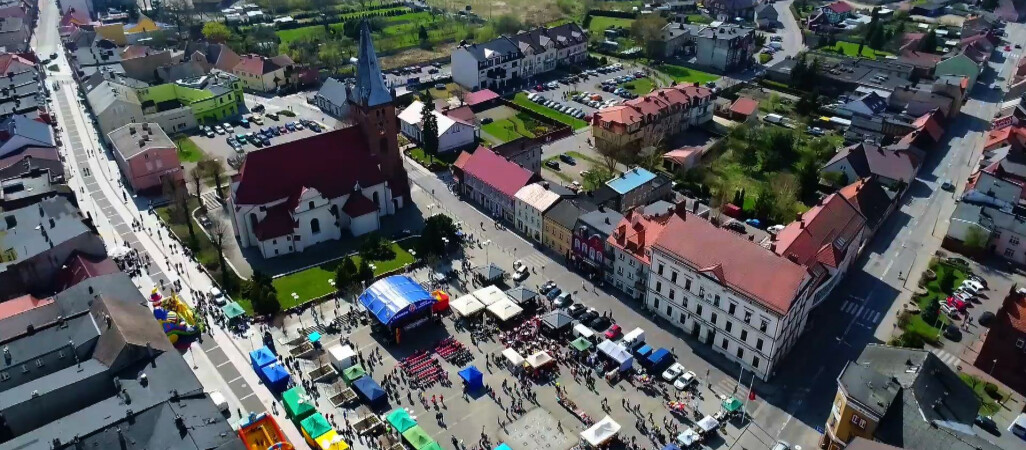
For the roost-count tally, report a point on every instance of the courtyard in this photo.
(505, 124)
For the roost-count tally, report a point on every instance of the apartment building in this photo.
(741, 299)
(650, 119)
(724, 47)
(504, 62)
(630, 246)
(530, 204)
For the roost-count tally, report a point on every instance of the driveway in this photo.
(790, 33)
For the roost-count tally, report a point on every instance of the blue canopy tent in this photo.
(506, 447)
(671, 447)
(261, 357)
(397, 301)
(275, 377)
(368, 389)
(473, 377)
(644, 351)
(660, 359)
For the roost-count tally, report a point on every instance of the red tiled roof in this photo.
(278, 222)
(256, 65)
(744, 106)
(478, 97)
(80, 267)
(681, 155)
(15, 306)
(332, 162)
(45, 153)
(505, 176)
(636, 233)
(840, 7)
(10, 61)
(358, 204)
(832, 223)
(920, 59)
(461, 161)
(930, 124)
(652, 103)
(740, 264)
(462, 114)
(74, 17)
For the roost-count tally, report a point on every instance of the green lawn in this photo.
(601, 23)
(522, 100)
(444, 159)
(934, 293)
(313, 282)
(698, 18)
(852, 49)
(685, 75)
(312, 31)
(511, 128)
(188, 151)
(989, 405)
(640, 86)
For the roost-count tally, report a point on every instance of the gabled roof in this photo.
(481, 96)
(33, 130)
(333, 163)
(744, 106)
(637, 232)
(930, 123)
(826, 228)
(277, 223)
(358, 205)
(501, 174)
(334, 91)
(537, 196)
(603, 220)
(869, 198)
(869, 159)
(840, 7)
(630, 180)
(462, 114)
(256, 65)
(412, 115)
(494, 48)
(737, 263)
(566, 212)
(13, 63)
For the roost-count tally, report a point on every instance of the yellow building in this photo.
(647, 120)
(557, 228)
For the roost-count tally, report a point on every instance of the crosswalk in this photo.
(947, 358)
(858, 310)
(209, 200)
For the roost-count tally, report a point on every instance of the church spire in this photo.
(370, 88)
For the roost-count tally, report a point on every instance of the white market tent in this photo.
(583, 331)
(489, 295)
(505, 309)
(617, 353)
(687, 438)
(466, 305)
(708, 423)
(601, 432)
(513, 357)
(539, 359)
(343, 356)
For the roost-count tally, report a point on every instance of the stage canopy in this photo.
(261, 357)
(601, 432)
(418, 438)
(368, 389)
(400, 420)
(504, 309)
(539, 359)
(275, 377)
(353, 373)
(394, 298)
(513, 357)
(473, 377)
(298, 405)
(557, 320)
(466, 305)
(581, 344)
(489, 295)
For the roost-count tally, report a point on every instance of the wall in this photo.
(556, 237)
(464, 69)
(627, 272)
(146, 170)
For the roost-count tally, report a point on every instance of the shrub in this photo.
(286, 113)
(376, 248)
(764, 58)
(910, 339)
(992, 390)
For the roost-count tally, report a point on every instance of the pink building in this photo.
(146, 155)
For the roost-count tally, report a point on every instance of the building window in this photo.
(758, 344)
(712, 318)
(315, 226)
(744, 334)
(1013, 240)
(729, 326)
(687, 284)
(740, 353)
(659, 286)
(311, 205)
(731, 308)
(764, 325)
(683, 318)
(383, 144)
(655, 303)
(669, 312)
(619, 271)
(716, 301)
(701, 291)
(748, 317)
(673, 294)
(724, 343)
(673, 276)
(755, 362)
(684, 301)
(1009, 252)
(660, 271)
(698, 310)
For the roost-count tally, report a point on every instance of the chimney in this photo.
(641, 237)
(751, 237)
(601, 209)
(621, 231)
(694, 206)
(801, 224)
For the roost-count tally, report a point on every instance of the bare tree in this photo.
(460, 94)
(196, 175)
(219, 234)
(611, 155)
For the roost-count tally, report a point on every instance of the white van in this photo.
(634, 339)
(581, 330)
(773, 118)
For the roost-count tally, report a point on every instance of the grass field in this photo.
(852, 49)
(522, 100)
(188, 151)
(989, 405)
(685, 75)
(698, 18)
(313, 282)
(511, 128)
(444, 159)
(640, 86)
(399, 31)
(601, 23)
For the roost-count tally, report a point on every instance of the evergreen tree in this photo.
(429, 129)
(929, 42)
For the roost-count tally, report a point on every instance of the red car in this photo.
(614, 332)
(539, 88)
(956, 303)
(1008, 48)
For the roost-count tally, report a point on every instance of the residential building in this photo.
(559, 224)
(524, 151)
(492, 182)
(833, 13)
(146, 156)
(453, 134)
(959, 64)
(141, 62)
(531, 203)
(213, 56)
(19, 132)
(637, 187)
(871, 199)
(724, 47)
(826, 239)
(590, 251)
(504, 62)
(21, 87)
(725, 10)
(682, 159)
(263, 74)
(14, 34)
(631, 243)
(741, 299)
(291, 196)
(743, 109)
(892, 168)
(1004, 343)
(906, 398)
(652, 118)
(36, 240)
(767, 17)
(331, 98)
(30, 188)
(989, 216)
(31, 160)
(481, 100)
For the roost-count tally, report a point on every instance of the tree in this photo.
(429, 127)
(929, 42)
(760, 40)
(365, 273)
(507, 24)
(346, 275)
(423, 34)
(946, 282)
(649, 29)
(262, 294)
(196, 175)
(595, 178)
(216, 32)
(764, 203)
(975, 239)
(807, 104)
(216, 170)
(219, 233)
(808, 178)
(611, 155)
(459, 94)
(931, 311)
(437, 229)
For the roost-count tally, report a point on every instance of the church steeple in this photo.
(370, 88)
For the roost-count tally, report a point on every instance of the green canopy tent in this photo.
(432, 446)
(400, 420)
(298, 405)
(581, 344)
(732, 405)
(352, 373)
(232, 310)
(315, 426)
(418, 438)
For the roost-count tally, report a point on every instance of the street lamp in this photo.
(992, 367)
(486, 244)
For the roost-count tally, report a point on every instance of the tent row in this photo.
(535, 361)
(490, 298)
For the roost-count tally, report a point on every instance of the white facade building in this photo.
(530, 205)
(452, 134)
(506, 61)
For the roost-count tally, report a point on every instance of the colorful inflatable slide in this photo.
(261, 432)
(177, 318)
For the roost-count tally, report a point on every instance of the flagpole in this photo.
(739, 380)
(744, 409)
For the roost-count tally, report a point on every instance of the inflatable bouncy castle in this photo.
(261, 432)
(177, 318)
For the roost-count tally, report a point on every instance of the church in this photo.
(340, 183)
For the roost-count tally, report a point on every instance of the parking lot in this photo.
(417, 74)
(218, 146)
(591, 84)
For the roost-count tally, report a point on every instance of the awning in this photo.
(615, 351)
(732, 404)
(342, 354)
(275, 377)
(473, 377)
(708, 423)
(232, 310)
(400, 420)
(688, 437)
(581, 344)
(261, 357)
(513, 357)
(582, 330)
(557, 320)
(418, 438)
(504, 309)
(489, 295)
(298, 405)
(601, 432)
(466, 305)
(539, 359)
(315, 426)
(353, 373)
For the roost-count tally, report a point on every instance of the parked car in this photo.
(947, 185)
(552, 164)
(985, 422)
(952, 333)
(781, 445)
(600, 323)
(548, 286)
(576, 310)
(972, 286)
(588, 316)
(551, 295)
(614, 332)
(519, 266)
(563, 300)
(521, 276)
(685, 380)
(567, 159)
(675, 370)
(982, 281)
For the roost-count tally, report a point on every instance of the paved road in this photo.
(790, 32)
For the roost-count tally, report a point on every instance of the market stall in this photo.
(441, 301)
(417, 438)
(473, 378)
(232, 311)
(539, 360)
(342, 357)
(261, 357)
(352, 374)
(522, 295)
(581, 344)
(298, 405)
(489, 295)
(331, 441)
(688, 438)
(513, 357)
(314, 427)
(556, 322)
(466, 306)
(617, 353)
(369, 390)
(400, 420)
(707, 425)
(504, 309)
(582, 330)
(602, 432)
(275, 377)
(659, 360)
(489, 274)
